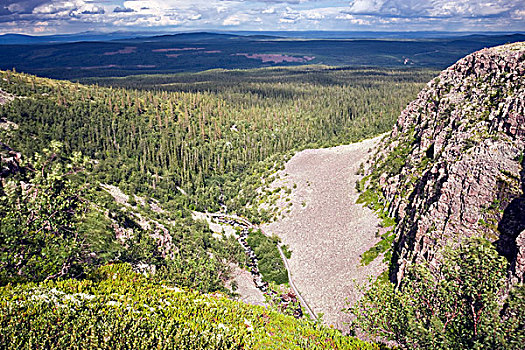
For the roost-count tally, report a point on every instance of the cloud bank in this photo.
(67, 16)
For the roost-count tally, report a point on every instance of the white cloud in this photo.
(221, 8)
(432, 8)
(366, 6)
(289, 15)
(353, 19)
(79, 15)
(164, 13)
(270, 10)
(65, 9)
(237, 19)
(88, 9)
(328, 12)
(58, 7)
(15, 7)
(519, 14)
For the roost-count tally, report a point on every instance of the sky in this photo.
(73, 16)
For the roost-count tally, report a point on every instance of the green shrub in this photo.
(286, 251)
(270, 263)
(119, 309)
(39, 212)
(455, 305)
(380, 247)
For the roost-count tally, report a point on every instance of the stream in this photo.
(285, 299)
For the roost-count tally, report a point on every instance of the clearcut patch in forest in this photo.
(325, 229)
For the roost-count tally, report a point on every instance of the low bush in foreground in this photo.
(118, 309)
(457, 304)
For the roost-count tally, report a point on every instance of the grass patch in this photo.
(381, 247)
(286, 251)
(270, 264)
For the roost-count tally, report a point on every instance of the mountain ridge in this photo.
(106, 56)
(453, 165)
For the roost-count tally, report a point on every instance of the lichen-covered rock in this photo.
(9, 162)
(5, 97)
(454, 166)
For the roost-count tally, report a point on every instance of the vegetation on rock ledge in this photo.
(455, 304)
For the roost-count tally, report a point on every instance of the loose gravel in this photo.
(326, 230)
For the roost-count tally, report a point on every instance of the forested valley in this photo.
(172, 144)
(209, 137)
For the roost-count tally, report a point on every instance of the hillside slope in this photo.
(119, 309)
(453, 166)
(121, 171)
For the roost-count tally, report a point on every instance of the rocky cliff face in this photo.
(454, 164)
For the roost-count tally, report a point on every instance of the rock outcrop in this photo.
(454, 164)
(9, 162)
(5, 97)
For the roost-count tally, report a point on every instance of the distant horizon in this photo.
(310, 35)
(238, 32)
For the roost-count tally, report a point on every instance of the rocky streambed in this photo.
(288, 300)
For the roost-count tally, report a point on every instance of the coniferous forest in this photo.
(208, 134)
(171, 144)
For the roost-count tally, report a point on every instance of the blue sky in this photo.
(71, 16)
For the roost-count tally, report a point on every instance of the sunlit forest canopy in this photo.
(199, 140)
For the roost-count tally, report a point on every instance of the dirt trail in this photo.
(326, 231)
